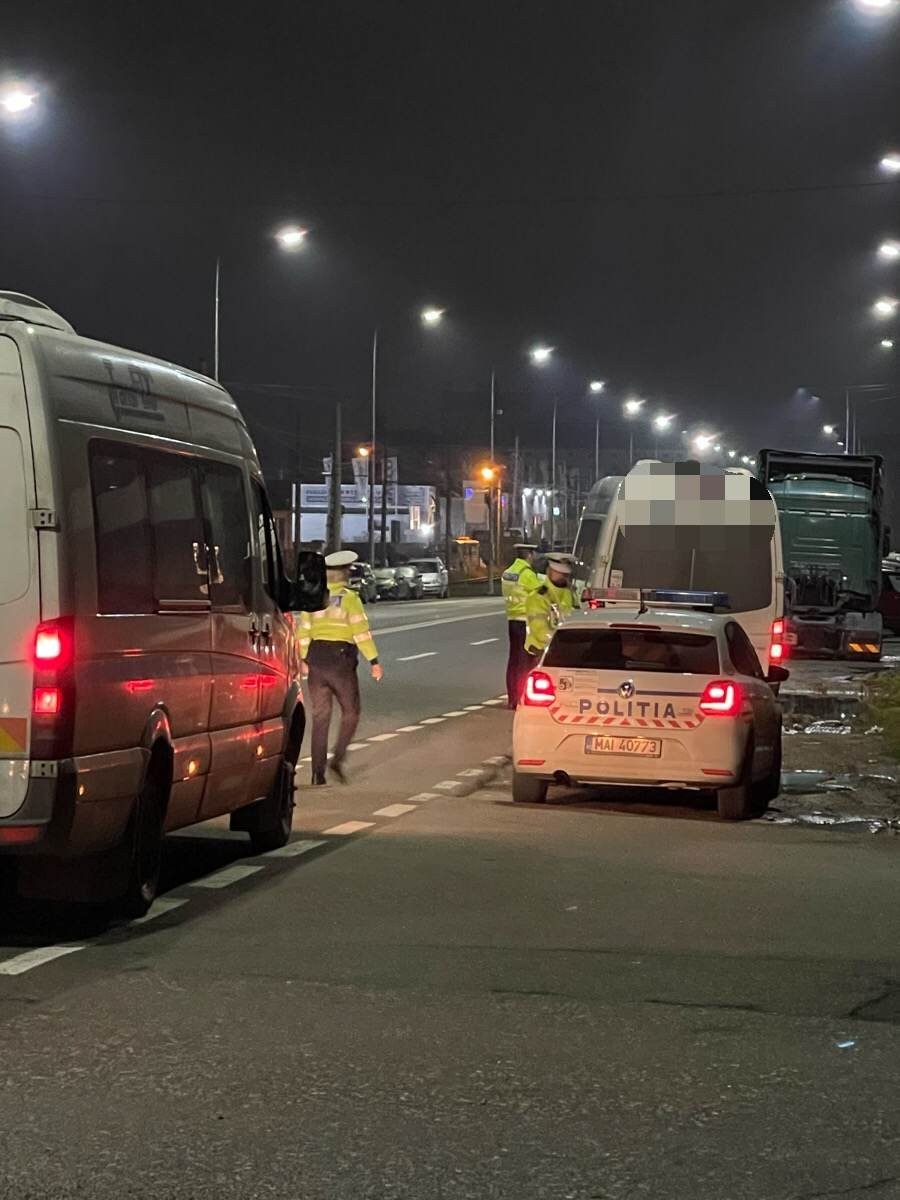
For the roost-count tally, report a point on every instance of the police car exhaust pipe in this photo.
(562, 779)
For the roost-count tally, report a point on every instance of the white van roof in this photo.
(14, 306)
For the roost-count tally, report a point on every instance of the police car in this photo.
(650, 692)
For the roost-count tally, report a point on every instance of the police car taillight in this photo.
(540, 690)
(721, 699)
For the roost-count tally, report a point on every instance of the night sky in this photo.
(681, 196)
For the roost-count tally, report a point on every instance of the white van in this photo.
(147, 668)
(727, 542)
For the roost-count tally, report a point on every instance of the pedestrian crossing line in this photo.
(382, 737)
(484, 642)
(413, 657)
(456, 712)
(226, 877)
(348, 827)
(434, 720)
(409, 728)
(394, 810)
(161, 907)
(35, 958)
(293, 849)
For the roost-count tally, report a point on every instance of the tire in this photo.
(736, 803)
(769, 787)
(270, 828)
(143, 843)
(528, 789)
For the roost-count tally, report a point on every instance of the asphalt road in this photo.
(435, 993)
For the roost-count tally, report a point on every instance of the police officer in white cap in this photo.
(330, 642)
(550, 604)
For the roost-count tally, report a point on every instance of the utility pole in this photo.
(333, 532)
(373, 451)
(384, 506)
(448, 505)
(216, 325)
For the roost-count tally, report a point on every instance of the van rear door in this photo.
(19, 589)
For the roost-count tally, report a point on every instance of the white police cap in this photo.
(341, 558)
(561, 563)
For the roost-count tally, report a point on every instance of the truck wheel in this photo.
(143, 840)
(528, 789)
(736, 803)
(768, 788)
(270, 825)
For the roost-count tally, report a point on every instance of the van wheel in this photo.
(736, 803)
(275, 814)
(768, 788)
(144, 839)
(528, 789)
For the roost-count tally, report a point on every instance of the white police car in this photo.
(658, 697)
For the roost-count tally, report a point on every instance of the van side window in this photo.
(123, 535)
(225, 508)
(269, 552)
(744, 657)
(178, 535)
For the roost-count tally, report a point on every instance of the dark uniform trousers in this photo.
(519, 662)
(332, 676)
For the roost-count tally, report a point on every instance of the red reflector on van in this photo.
(20, 835)
(47, 701)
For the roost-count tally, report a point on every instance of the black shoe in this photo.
(337, 767)
(318, 780)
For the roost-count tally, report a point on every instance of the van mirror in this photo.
(309, 590)
(778, 674)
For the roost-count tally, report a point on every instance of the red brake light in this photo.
(47, 701)
(722, 699)
(777, 647)
(53, 644)
(776, 651)
(778, 629)
(540, 690)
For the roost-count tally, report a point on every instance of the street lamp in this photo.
(540, 355)
(597, 386)
(732, 453)
(661, 423)
(432, 316)
(886, 306)
(16, 99)
(891, 164)
(875, 5)
(631, 408)
(889, 250)
(291, 237)
(829, 430)
(702, 442)
(887, 343)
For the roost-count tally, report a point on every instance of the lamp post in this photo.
(541, 356)
(631, 408)
(597, 387)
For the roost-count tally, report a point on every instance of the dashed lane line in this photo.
(409, 728)
(495, 701)
(293, 849)
(474, 707)
(161, 907)
(357, 745)
(414, 657)
(456, 712)
(484, 642)
(383, 631)
(394, 810)
(348, 827)
(226, 877)
(36, 958)
(423, 797)
(434, 720)
(382, 737)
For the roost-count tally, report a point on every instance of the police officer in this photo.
(330, 642)
(518, 581)
(546, 607)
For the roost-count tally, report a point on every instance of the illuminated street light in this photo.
(488, 473)
(887, 343)
(431, 316)
(702, 441)
(717, 448)
(662, 422)
(889, 250)
(875, 5)
(16, 99)
(829, 430)
(597, 386)
(891, 164)
(291, 237)
(540, 355)
(363, 451)
(885, 307)
(746, 460)
(632, 407)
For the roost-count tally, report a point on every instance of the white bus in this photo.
(676, 527)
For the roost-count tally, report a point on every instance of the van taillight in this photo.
(53, 695)
(52, 644)
(540, 690)
(777, 647)
(47, 701)
(722, 699)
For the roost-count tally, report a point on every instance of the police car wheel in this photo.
(528, 789)
(736, 803)
(769, 787)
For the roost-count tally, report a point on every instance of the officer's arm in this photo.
(304, 633)
(359, 627)
(537, 612)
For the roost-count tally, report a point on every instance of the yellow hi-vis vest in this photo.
(517, 581)
(545, 609)
(344, 620)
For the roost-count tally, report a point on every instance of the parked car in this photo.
(399, 583)
(435, 578)
(148, 671)
(363, 581)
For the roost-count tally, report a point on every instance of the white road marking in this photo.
(471, 773)
(474, 707)
(433, 720)
(382, 737)
(306, 760)
(35, 958)
(226, 877)
(498, 760)
(413, 657)
(484, 642)
(423, 796)
(357, 746)
(408, 728)
(382, 631)
(394, 810)
(165, 904)
(448, 785)
(292, 849)
(503, 701)
(455, 712)
(348, 827)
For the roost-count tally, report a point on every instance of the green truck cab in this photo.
(830, 509)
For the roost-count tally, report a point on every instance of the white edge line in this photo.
(382, 737)
(409, 728)
(161, 907)
(292, 849)
(348, 827)
(35, 958)
(227, 876)
(394, 810)
(434, 720)
(413, 657)
(484, 642)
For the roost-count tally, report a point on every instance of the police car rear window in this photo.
(634, 650)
